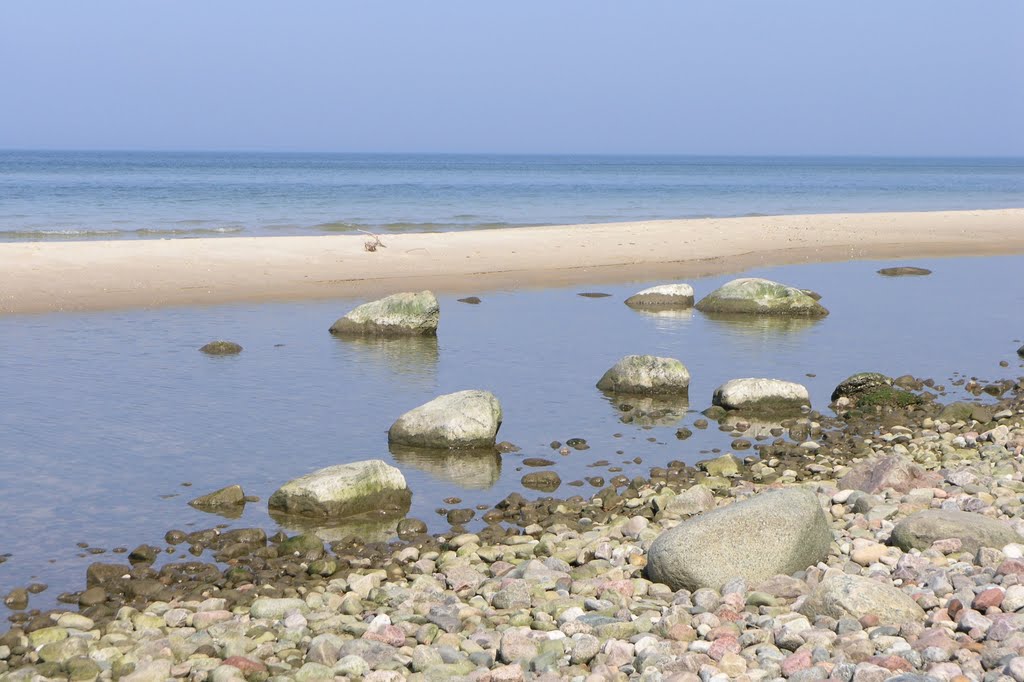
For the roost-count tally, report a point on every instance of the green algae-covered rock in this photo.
(466, 419)
(343, 490)
(760, 296)
(231, 496)
(859, 383)
(772, 533)
(404, 314)
(221, 348)
(646, 374)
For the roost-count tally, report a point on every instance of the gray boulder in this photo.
(779, 531)
(760, 296)
(663, 296)
(761, 396)
(893, 471)
(231, 496)
(646, 374)
(854, 596)
(920, 530)
(344, 490)
(396, 315)
(466, 419)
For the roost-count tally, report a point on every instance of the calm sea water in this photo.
(105, 195)
(104, 415)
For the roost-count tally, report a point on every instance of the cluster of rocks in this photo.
(883, 544)
(747, 295)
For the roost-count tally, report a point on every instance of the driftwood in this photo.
(372, 244)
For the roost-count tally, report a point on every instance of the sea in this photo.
(58, 195)
(111, 421)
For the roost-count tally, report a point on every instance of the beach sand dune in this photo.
(69, 276)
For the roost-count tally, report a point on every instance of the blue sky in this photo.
(916, 77)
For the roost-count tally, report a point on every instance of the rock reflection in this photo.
(648, 410)
(470, 469)
(366, 527)
(414, 356)
(753, 427)
(757, 325)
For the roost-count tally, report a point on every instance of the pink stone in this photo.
(948, 545)
(1014, 566)
(723, 645)
(246, 665)
(990, 597)
(389, 634)
(801, 660)
(893, 663)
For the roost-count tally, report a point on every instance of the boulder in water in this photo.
(344, 490)
(231, 496)
(466, 419)
(663, 296)
(904, 271)
(763, 396)
(760, 296)
(401, 314)
(646, 374)
(221, 348)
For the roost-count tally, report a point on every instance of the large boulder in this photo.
(920, 530)
(466, 419)
(760, 296)
(892, 471)
(853, 596)
(860, 383)
(663, 296)
(404, 314)
(646, 374)
(344, 490)
(779, 531)
(766, 396)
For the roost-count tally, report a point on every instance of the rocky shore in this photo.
(905, 529)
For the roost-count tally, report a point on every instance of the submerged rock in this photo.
(775, 532)
(663, 296)
(761, 396)
(399, 314)
(466, 419)
(760, 296)
(860, 383)
(646, 374)
(221, 348)
(544, 481)
(231, 496)
(920, 530)
(854, 596)
(904, 271)
(344, 490)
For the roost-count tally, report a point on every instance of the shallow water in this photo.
(104, 415)
(54, 195)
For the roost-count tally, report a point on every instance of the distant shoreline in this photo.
(102, 275)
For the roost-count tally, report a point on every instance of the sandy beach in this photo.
(72, 276)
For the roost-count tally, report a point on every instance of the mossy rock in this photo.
(887, 396)
(862, 382)
(221, 348)
(904, 271)
(753, 295)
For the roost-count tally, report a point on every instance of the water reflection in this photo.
(407, 356)
(648, 410)
(367, 528)
(760, 325)
(756, 426)
(469, 469)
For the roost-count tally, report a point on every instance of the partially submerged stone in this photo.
(904, 271)
(646, 374)
(920, 530)
(221, 348)
(344, 490)
(760, 296)
(231, 496)
(403, 314)
(860, 383)
(466, 419)
(663, 296)
(854, 596)
(780, 531)
(765, 396)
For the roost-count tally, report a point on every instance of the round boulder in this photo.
(466, 419)
(854, 596)
(404, 314)
(780, 531)
(760, 296)
(920, 530)
(344, 490)
(761, 396)
(663, 296)
(646, 374)
(860, 383)
(221, 348)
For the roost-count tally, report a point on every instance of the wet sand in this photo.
(70, 276)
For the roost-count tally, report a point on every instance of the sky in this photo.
(737, 77)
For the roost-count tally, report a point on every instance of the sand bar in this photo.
(72, 276)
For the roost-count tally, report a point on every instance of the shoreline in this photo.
(39, 277)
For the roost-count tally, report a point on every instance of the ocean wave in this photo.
(411, 227)
(95, 233)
